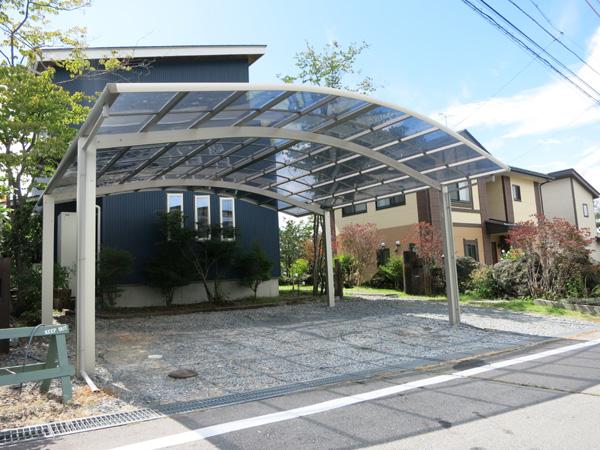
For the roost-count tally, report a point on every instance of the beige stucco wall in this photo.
(495, 198)
(582, 196)
(473, 217)
(384, 218)
(558, 199)
(470, 234)
(525, 209)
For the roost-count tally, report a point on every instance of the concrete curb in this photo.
(587, 309)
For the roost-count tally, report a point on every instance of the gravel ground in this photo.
(240, 351)
(20, 406)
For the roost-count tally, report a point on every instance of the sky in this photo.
(437, 57)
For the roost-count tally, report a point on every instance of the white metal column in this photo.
(47, 258)
(450, 259)
(329, 258)
(86, 257)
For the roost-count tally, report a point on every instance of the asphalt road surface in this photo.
(542, 397)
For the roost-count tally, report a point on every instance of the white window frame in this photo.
(586, 210)
(196, 197)
(175, 194)
(221, 199)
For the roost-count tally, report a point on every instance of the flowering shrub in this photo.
(428, 244)
(555, 254)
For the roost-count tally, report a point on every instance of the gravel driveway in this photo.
(240, 351)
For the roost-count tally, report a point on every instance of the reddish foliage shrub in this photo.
(360, 241)
(556, 256)
(429, 245)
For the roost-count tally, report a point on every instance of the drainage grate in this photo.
(53, 429)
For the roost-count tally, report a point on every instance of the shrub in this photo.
(482, 283)
(113, 264)
(254, 267)
(465, 265)
(393, 272)
(167, 271)
(555, 253)
(360, 241)
(511, 278)
(348, 264)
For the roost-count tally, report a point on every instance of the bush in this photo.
(482, 283)
(254, 267)
(27, 306)
(113, 264)
(167, 271)
(393, 272)
(465, 265)
(512, 278)
(348, 264)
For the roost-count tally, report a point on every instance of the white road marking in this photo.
(237, 425)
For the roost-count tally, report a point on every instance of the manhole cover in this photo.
(183, 373)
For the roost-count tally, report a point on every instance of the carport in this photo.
(295, 149)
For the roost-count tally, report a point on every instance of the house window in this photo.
(227, 217)
(354, 209)
(175, 203)
(586, 211)
(202, 215)
(471, 249)
(389, 202)
(516, 191)
(460, 192)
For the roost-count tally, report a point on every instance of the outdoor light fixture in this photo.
(383, 245)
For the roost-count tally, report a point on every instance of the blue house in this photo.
(129, 221)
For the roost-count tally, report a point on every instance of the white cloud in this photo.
(554, 106)
(550, 141)
(589, 165)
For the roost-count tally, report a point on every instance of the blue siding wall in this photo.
(162, 71)
(130, 222)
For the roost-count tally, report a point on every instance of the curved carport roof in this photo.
(296, 149)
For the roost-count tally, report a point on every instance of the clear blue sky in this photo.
(436, 57)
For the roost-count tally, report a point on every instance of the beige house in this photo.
(483, 211)
(571, 197)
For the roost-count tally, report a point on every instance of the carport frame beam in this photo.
(450, 258)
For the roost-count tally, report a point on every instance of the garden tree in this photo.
(299, 270)
(360, 241)
(428, 244)
(207, 257)
(167, 270)
(38, 119)
(335, 67)
(331, 67)
(556, 256)
(254, 267)
(291, 242)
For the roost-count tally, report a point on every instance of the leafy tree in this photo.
(167, 270)
(331, 67)
(254, 267)
(393, 270)
(292, 237)
(38, 118)
(207, 257)
(299, 270)
(360, 241)
(428, 244)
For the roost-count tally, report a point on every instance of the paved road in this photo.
(542, 400)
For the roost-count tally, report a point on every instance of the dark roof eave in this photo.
(574, 174)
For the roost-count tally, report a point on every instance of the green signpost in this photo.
(56, 365)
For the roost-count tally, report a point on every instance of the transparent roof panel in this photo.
(300, 146)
